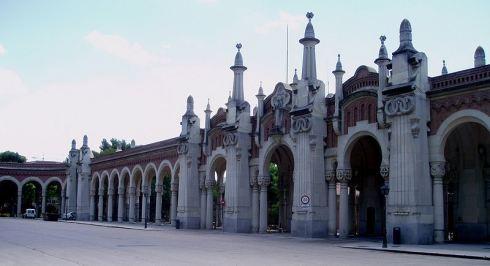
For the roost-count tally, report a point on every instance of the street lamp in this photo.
(146, 207)
(385, 189)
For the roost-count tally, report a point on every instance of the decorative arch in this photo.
(215, 155)
(137, 169)
(122, 177)
(34, 179)
(161, 169)
(113, 175)
(175, 172)
(103, 177)
(355, 133)
(437, 142)
(149, 167)
(268, 149)
(95, 180)
(13, 179)
(53, 179)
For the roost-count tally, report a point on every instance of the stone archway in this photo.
(53, 189)
(135, 196)
(466, 184)
(149, 186)
(32, 195)
(215, 196)
(277, 189)
(124, 195)
(9, 194)
(163, 190)
(94, 197)
(364, 198)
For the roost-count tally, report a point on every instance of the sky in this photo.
(124, 69)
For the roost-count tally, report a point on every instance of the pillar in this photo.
(209, 204)
(132, 204)
(263, 183)
(437, 170)
(101, 205)
(173, 202)
(120, 204)
(158, 207)
(332, 203)
(203, 205)
(43, 202)
(143, 204)
(255, 207)
(110, 194)
(344, 176)
(92, 205)
(63, 201)
(19, 202)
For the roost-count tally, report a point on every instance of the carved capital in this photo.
(159, 188)
(110, 191)
(182, 149)
(174, 186)
(384, 171)
(209, 183)
(120, 191)
(437, 169)
(132, 191)
(229, 139)
(400, 105)
(344, 175)
(301, 124)
(330, 176)
(264, 181)
(101, 192)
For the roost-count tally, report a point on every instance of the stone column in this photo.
(132, 204)
(120, 204)
(173, 202)
(101, 205)
(332, 202)
(92, 204)
(437, 170)
(19, 202)
(158, 207)
(63, 202)
(344, 176)
(264, 182)
(203, 206)
(110, 194)
(209, 203)
(144, 202)
(255, 206)
(43, 202)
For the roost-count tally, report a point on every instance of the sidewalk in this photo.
(466, 251)
(125, 225)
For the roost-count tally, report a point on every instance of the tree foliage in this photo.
(113, 145)
(10, 156)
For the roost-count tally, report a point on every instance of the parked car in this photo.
(70, 216)
(30, 213)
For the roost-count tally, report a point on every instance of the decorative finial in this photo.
(338, 57)
(85, 140)
(383, 39)
(239, 46)
(309, 15)
(444, 68)
(443, 62)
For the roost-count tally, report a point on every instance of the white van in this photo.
(30, 213)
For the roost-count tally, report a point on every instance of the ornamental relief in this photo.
(301, 124)
(400, 105)
(182, 149)
(230, 139)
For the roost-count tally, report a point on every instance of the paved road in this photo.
(27, 242)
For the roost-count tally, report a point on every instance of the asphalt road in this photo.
(28, 242)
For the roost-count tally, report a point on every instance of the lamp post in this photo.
(146, 207)
(385, 189)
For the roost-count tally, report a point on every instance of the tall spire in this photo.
(73, 144)
(405, 38)
(309, 42)
(338, 67)
(444, 69)
(295, 77)
(190, 105)
(238, 69)
(85, 141)
(479, 57)
(383, 53)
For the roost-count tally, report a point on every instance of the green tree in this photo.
(10, 156)
(109, 147)
(273, 194)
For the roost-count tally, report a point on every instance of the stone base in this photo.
(308, 228)
(190, 222)
(83, 217)
(236, 225)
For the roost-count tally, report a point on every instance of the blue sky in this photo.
(124, 68)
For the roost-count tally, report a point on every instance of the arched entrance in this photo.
(216, 194)
(163, 194)
(53, 197)
(365, 200)
(280, 166)
(32, 196)
(135, 207)
(8, 198)
(149, 204)
(467, 183)
(124, 194)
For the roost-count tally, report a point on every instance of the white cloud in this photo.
(11, 86)
(120, 47)
(293, 21)
(2, 50)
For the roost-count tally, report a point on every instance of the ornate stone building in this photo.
(425, 138)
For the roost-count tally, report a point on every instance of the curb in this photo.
(113, 226)
(461, 256)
